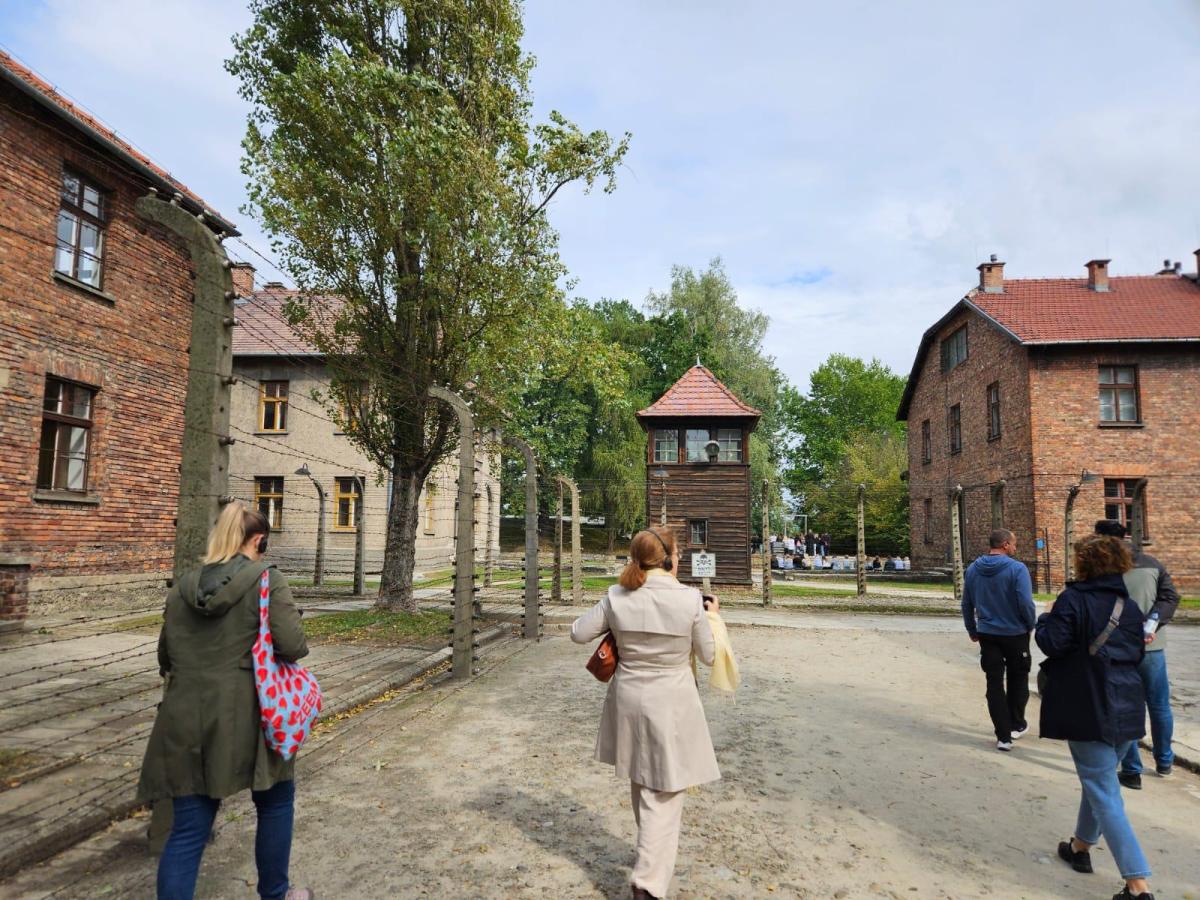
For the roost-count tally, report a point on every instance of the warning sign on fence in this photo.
(704, 565)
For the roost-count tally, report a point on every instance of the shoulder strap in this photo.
(1102, 637)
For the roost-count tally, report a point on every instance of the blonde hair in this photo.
(646, 551)
(234, 527)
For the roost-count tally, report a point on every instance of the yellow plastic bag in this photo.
(725, 676)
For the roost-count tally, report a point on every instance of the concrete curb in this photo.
(103, 815)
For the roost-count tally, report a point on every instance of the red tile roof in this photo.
(263, 329)
(1135, 309)
(1066, 310)
(699, 393)
(33, 84)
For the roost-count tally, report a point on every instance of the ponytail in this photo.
(234, 527)
(650, 549)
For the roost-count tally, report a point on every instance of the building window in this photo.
(666, 445)
(63, 454)
(997, 506)
(696, 439)
(993, 405)
(955, 421)
(1118, 394)
(954, 349)
(1118, 503)
(347, 500)
(697, 532)
(926, 442)
(730, 440)
(354, 396)
(79, 249)
(928, 505)
(268, 497)
(273, 406)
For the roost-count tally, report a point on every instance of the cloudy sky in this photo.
(851, 162)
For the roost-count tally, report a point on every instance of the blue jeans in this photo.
(1101, 809)
(194, 815)
(1153, 670)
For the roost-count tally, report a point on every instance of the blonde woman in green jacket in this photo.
(207, 742)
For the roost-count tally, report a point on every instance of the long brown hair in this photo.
(236, 525)
(649, 549)
(1100, 554)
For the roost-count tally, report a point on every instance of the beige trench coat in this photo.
(653, 727)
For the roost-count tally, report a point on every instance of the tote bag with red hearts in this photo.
(288, 694)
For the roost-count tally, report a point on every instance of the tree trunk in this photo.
(400, 551)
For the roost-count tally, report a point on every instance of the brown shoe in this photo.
(642, 893)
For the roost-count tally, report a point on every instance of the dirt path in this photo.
(857, 763)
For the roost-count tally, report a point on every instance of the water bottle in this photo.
(1151, 624)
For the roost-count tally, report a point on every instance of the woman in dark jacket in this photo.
(1092, 698)
(207, 742)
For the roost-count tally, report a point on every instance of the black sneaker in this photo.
(1079, 860)
(1131, 780)
(1162, 770)
(1127, 894)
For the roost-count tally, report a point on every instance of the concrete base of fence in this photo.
(117, 802)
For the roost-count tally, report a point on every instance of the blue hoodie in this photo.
(999, 593)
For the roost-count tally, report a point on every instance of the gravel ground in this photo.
(857, 762)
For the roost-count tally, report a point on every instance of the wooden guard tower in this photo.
(698, 467)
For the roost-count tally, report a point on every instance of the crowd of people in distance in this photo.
(812, 553)
(1105, 668)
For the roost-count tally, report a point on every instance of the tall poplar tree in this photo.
(393, 162)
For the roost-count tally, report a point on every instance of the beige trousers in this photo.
(658, 814)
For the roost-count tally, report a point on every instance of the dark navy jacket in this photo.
(1092, 698)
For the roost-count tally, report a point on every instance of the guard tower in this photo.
(698, 467)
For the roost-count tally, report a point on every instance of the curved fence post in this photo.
(463, 644)
(1137, 515)
(956, 547)
(576, 538)
(204, 454)
(1068, 534)
(766, 543)
(862, 543)
(532, 623)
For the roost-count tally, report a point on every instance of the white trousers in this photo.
(658, 815)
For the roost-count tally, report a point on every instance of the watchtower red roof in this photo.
(699, 393)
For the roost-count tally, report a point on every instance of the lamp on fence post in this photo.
(319, 563)
(956, 544)
(1137, 515)
(1085, 477)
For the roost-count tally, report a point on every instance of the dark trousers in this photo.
(180, 861)
(1001, 656)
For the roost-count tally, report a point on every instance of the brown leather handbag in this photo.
(603, 662)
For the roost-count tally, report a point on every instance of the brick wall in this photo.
(992, 357)
(131, 345)
(1067, 438)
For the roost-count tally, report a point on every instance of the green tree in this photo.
(875, 459)
(392, 159)
(847, 397)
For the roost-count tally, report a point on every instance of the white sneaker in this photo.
(1004, 745)
(1020, 734)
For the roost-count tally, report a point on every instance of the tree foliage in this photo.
(393, 161)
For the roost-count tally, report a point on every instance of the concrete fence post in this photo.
(204, 464)
(360, 537)
(862, 542)
(556, 579)
(766, 543)
(1137, 515)
(463, 644)
(489, 536)
(576, 538)
(956, 547)
(532, 619)
(1068, 534)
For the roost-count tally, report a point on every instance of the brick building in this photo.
(95, 321)
(1027, 387)
(279, 428)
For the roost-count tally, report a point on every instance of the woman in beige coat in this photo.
(653, 728)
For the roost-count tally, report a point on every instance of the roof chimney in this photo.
(1178, 267)
(991, 276)
(243, 279)
(1098, 274)
(1166, 269)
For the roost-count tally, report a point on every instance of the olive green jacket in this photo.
(207, 737)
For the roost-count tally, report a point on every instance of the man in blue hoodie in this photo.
(998, 610)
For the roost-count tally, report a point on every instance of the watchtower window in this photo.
(666, 445)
